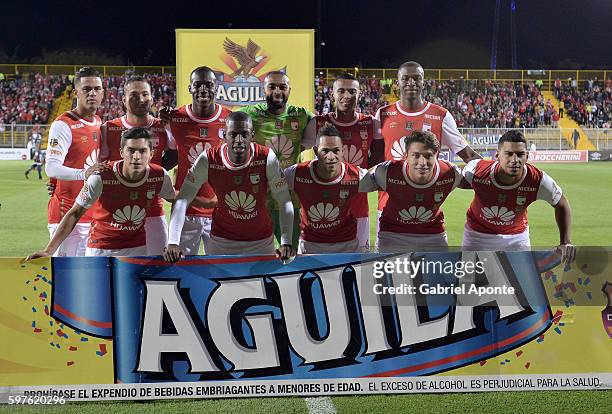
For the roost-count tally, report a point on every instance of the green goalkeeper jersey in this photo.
(283, 133)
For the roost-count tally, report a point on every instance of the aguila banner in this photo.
(219, 326)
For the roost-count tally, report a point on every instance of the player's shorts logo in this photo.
(499, 216)
(415, 215)
(282, 147)
(240, 201)
(196, 150)
(133, 214)
(398, 151)
(352, 154)
(323, 211)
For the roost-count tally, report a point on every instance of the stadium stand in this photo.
(591, 105)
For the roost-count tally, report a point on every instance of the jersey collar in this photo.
(318, 180)
(229, 164)
(495, 166)
(125, 182)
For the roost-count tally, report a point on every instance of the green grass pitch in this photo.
(23, 224)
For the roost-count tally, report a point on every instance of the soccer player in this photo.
(328, 189)
(137, 100)
(39, 160)
(358, 132)
(280, 126)
(72, 155)
(120, 197)
(240, 172)
(503, 189)
(417, 186)
(195, 128)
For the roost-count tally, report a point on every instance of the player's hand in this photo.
(285, 253)
(36, 255)
(97, 168)
(165, 114)
(51, 187)
(173, 253)
(567, 252)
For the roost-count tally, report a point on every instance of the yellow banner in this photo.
(242, 58)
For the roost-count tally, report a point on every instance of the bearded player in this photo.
(503, 189)
(72, 155)
(328, 189)
(280, 126)
(138, 100)
(119, 198)
(417, 186)
(196, 128)
(359, 133)
(240, 172)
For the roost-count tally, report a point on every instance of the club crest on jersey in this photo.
(295, 125)
(409, 125)
(502, 198)
(344, 193)
(521, 200)
(238, 180)
(419, 197)
(133, 195)
(254, 178)
(240, 81)
(363, 134)
(278, 124)
(203, 132)
(150, 193)
(438, 196)
(426, 127)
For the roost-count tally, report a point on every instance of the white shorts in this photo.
(196, 228)
(307, 247)
(76, 242)
(388, 241)
(157, 235)
(363, 234)
(130, 251)
(475, 240)
(221, 246)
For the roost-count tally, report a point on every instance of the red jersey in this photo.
(120, 206)
(194, 135)
(242, 191)
(73, 141)
(357, 136)
(111, 144)
(415, 208)
(326, 204)
(502, 209)
(396, 123)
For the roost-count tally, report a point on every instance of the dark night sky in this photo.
(452, 34)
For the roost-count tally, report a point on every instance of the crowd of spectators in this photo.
(28, 99)
(590, 104)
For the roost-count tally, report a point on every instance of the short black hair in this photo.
(424, 137)
(239, 116)
(203, 69)
(85, 72)
(347, 76)
(328, 130)
(410, 63)
(135, 78)
(513, 135)
(137, 133)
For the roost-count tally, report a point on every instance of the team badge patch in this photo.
(295, 125)
(363, 134)
(203, 132)
(344, 193)
(426, 127)
(150, 193)
(521, 200)
(438, 196)
(254, 178)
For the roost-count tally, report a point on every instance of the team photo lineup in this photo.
(240, 187)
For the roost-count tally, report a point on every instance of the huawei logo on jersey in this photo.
(196, 150)
(241, 203)
(398, 151)
(283, 148)
(499, 216)
(352, 154)
(123, 217)
(323, 212)
(415, 215)
(91, 159)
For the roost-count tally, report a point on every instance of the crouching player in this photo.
(327, 188)
(120, 197)
(503, 189)
(417, 186)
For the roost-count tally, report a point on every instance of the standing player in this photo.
(195, 128)
(120, 196)
(72, 154)
(417, 186)
(280, 126)
(137, 100)
(328, 189)
(39, 160)
(358, 132)
(503, 189)
(240, 172)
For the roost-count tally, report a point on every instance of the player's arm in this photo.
(367, 180)
(310, 134)
(167, 191)
(468, 174)
(378, 176)
(165, 114)
(552, 193)
(280, 191)
(454, 140)
(170, 157)
(197, 175)
(377, 148)
(104, 149)
(310, 118)
(86, 198)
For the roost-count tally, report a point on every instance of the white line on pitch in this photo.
(320, 405)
